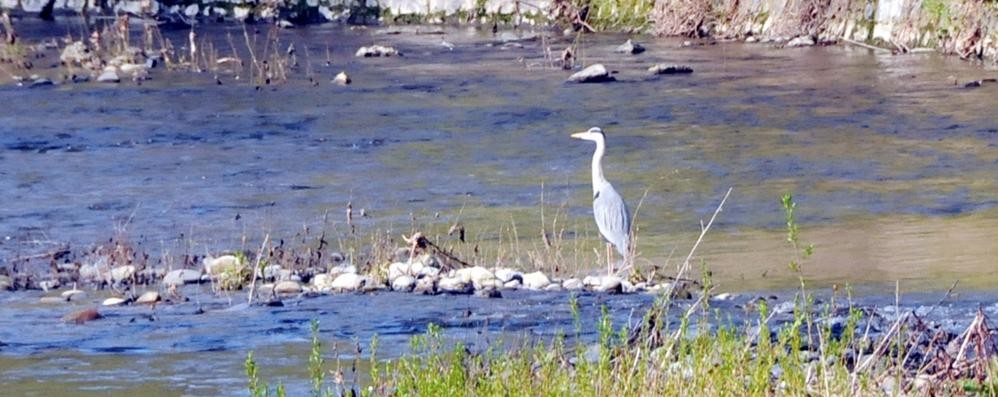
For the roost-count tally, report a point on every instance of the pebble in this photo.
(595, 73)
(535, 281)
(81, 316)
(180, 277)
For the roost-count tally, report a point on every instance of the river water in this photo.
(892, 165)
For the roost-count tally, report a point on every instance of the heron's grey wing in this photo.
(612, 218)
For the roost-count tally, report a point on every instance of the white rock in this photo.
(215, 266)
(428, 271)
(610, 284)
(148, 297)
(342, 79)
(122, 273)
(512, 284)
(627, 287)
(724, 296)
(191, 11)
(349, 282)
(475, 275)
(287, 287)
(801, 41)
(109, 76)
(506, 275)
(74, 54)
(398, 269)
(454, 285)
(535, 281)
(241, 13)
(343, 268)
(630, 47)
(322, 282)
(596, 73)
(662, 68)
(95, 271)
(113, 302)
(592, 281)
(180, 277)
(404, 283)
(73, 294)
(376, 51)
(426, 286)
(572, 284)
(553, 287)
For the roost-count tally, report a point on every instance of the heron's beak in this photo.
(580, 135)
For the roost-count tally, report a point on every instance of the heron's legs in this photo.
(609, 260)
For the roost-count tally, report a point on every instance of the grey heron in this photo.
(612, 217)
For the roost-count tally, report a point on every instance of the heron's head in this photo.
(594, 134)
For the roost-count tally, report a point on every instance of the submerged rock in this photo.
(41, 82)
(630, 47)
(377, 51)
(53, 300)
(596, 73)
(670, 69)
(5, 283)
(81, 316)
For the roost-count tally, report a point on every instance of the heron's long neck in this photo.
(598, 178)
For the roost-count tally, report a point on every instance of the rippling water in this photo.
(892, 165)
